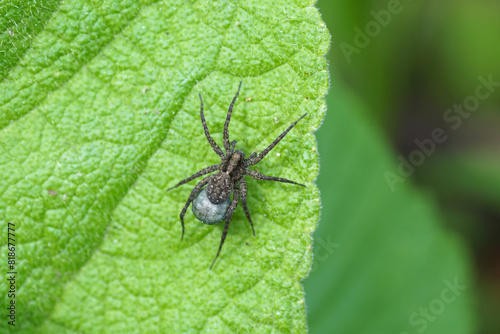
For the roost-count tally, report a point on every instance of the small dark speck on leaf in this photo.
(52, 192)
(246, 243)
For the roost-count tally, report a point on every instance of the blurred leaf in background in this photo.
(425, 61)
(394, 262)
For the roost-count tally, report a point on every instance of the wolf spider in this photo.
(231, 171)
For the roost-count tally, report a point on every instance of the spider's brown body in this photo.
(231, 172)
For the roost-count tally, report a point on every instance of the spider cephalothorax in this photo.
(230, 176)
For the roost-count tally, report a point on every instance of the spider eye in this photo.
(208, 212)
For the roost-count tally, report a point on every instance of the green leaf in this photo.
(468, 184)
(101, 115)
(382, 261)
(20, 21)
(467, 177)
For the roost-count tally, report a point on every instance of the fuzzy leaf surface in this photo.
(100, 115)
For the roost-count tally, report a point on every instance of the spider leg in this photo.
(228, 119)
(202, 172)
(253, 155)
(259, 176)
(230, 211)
(233, 145)
(212, 142)
(195, 192)
(274, 143)
(244, 202)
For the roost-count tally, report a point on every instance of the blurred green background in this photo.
(386, 251)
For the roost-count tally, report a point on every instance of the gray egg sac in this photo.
(206, 211)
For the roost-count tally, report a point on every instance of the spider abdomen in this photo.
(219, 188)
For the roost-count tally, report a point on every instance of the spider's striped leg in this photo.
(251, 157)
(202, 172)
(233, 145)
(230, 211)
(259, 176)
(244, 202)
(212, 142)
(262, 154)
(228, 119)
(195, 192)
